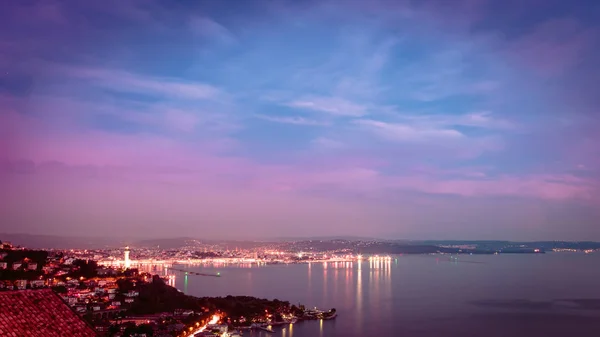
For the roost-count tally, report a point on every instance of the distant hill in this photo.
(325, 238)
(169, 243)
(33, 241)
(175, 243)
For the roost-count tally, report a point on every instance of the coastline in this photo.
(239, 312)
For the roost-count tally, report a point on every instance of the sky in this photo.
(469, 119)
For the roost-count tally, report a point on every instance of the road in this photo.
(214, 320)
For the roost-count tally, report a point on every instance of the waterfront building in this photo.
(126, 258)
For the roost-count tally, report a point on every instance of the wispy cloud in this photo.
(209, 28)
(163, 109)
(297, 120)
(406, 132)
(532, 186)
(327, 143)
(481, 119)
(129, 82)
(332, 105)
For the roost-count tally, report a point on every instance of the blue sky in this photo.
(404, 118)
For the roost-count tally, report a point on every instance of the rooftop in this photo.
(39, 313)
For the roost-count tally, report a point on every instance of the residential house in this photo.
(39, 313)
(21, 284)
(37, 283)
(132, 293)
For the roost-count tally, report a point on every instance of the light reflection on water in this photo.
(410, 295)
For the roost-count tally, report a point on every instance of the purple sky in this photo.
(398, 119)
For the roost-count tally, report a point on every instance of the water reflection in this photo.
(309, 276)
(321, 327)
(366, 306)
(171, 280)
(379, 284)
(325, 276)
(359, 294)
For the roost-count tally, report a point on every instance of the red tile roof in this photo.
(39, 313)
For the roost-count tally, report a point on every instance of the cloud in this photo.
(327, 143)
(182, 121)
(209, 28)
(481, 119)
(129, 82)
(332, 105)
(296, 120)
(406, 132)
(149, 105)
(548, 187)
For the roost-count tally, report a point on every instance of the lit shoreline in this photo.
(233, 261)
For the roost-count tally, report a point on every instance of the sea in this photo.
(546, 295)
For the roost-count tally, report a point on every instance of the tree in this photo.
(113, 329)
(60, 289)
(125, 285)
(87, 268)
(145, 329)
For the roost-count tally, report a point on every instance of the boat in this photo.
(331, 316)
(267, 329)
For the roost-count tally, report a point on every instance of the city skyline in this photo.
(390, 119)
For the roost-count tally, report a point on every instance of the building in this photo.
(37, 283)
(39, 313)
(103, 271)
(127, 261)
(21, 284)
(221, 328)
(132, 293)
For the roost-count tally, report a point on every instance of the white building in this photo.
(127, 261)
(132, 293)
(37, 283)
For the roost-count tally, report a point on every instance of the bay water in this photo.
(554, 294)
